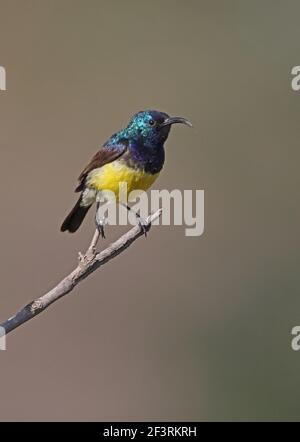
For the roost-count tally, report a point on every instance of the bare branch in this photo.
(88, 263)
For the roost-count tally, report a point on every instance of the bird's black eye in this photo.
(151, 122)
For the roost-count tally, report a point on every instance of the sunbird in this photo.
(134, 155)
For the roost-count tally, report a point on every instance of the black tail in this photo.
(75, 217)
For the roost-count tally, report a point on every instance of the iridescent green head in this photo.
(152, 126)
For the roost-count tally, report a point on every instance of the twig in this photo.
(88, 263)
(91, 251)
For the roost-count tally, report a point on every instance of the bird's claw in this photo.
(101, 231)
(100, 223)
(144, 226)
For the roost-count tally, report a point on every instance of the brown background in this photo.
(178, 327)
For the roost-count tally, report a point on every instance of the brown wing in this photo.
(104, 156)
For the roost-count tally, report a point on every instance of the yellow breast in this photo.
(111, 175)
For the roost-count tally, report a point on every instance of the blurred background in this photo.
(176, 328)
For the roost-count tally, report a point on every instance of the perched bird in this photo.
(134, 155)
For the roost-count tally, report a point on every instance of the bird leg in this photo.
(100, 220)
(144, 226)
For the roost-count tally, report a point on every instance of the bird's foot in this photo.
(144, 225)
(100, 223)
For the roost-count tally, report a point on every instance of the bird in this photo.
(134, 155)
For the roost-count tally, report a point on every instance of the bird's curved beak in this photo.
(174, 120)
